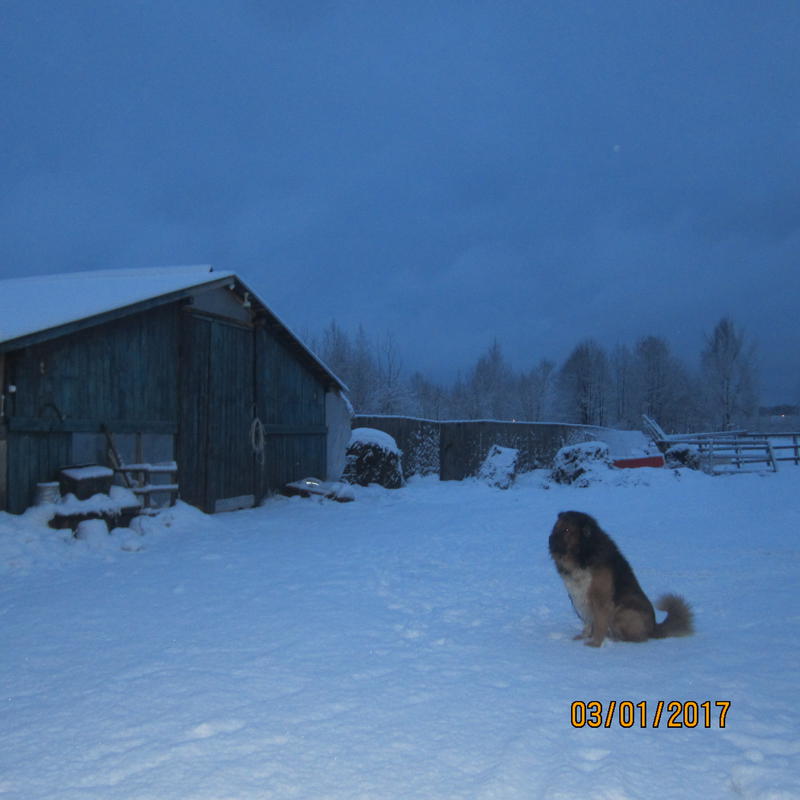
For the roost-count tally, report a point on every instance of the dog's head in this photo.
(572, 535)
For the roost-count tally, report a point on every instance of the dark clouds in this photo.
(452, 171)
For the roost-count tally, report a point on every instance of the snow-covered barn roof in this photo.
(45, 302)
(43, 307)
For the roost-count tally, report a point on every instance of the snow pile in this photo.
(27, 543)
(582, 464)
(499, 468)
(375, 438)
(373, 457)
(118, 497)
(415, 644)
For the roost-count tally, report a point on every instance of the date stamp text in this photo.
(655, 714)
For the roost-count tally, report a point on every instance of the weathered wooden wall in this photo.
(122, 372)
(32, 458)
(121, 375)
(462, 446)
(198, 379)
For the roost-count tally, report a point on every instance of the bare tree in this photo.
(583, 384)
(589, 388)
(335, 350)
(352, 361)
(427, 399)
(389, 393)
(535, 391)
(489, 388)
(458, 405)
(362, 376)
(662, 383)
(624, 410)
(728, 373)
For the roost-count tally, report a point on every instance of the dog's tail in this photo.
(679, 620)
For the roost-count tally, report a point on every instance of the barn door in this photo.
(215, 455)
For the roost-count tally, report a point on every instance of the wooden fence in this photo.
(743, 450)
(733, 450)
(786, 441)
(456, 449)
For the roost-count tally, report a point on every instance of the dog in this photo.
(603, 589)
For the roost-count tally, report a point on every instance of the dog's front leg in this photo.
(599, 630)
(585, 633)
(600, 606)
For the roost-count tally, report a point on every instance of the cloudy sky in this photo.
(449, 172)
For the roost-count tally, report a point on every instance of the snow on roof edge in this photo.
(117, 273)
(17, 321)
(37, 303)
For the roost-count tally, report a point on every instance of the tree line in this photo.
(593, 386)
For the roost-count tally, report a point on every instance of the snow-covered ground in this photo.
(412, 644)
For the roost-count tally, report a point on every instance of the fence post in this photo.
(772, 456)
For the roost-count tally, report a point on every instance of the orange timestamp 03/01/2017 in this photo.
(653, 714)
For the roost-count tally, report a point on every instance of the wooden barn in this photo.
(179, 364)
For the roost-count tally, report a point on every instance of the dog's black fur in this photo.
(603, 588)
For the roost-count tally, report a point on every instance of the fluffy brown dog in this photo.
(603, 589)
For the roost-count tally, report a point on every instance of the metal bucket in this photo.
(47, 493)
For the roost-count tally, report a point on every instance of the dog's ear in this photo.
(586, 532)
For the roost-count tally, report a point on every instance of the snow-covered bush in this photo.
(373, 457)
(499, 467)
(579, 464)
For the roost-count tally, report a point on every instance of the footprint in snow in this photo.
(408, 632)
(206, 730)
(592, 757)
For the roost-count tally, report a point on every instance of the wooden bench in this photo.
(139, 479)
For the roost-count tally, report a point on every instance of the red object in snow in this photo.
(632, 463)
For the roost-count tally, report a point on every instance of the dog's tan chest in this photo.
(578, 582)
